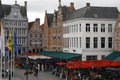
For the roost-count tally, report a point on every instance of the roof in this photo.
(57, 54)
(94, 12)
(113, 56)
(23, 11)
(65, 11)
(30, 24)
(50, 18)
(6, 9)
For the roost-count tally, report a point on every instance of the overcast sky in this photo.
(36, 8)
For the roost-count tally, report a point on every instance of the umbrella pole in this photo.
(66, 75)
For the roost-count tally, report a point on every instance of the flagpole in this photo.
(2, 49)
(1, 56)
(8, 64)
(13, 62)
(15, 48)
(4, 66)
(1, 64)
(13, 54)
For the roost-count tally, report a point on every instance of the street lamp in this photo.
(27, 68)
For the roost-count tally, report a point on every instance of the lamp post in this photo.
(27, 68)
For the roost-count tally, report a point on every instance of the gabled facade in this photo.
(90, 31)
(15, 17)
(47, 31)
(117, 35)
(52, 27)
(35, 36)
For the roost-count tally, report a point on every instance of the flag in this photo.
(2, 41)
(15, 48)
(9, 41)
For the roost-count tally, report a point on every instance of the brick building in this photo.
(117, 34)
(35, 36)
(52, 27)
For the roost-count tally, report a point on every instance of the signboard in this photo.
(35, 42)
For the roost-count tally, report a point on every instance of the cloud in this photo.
(41, 5)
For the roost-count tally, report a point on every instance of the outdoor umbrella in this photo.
(61, 63)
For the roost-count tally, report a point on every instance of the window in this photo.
(102, 27)
(95, 28)
(87, 42)
(109, 27)
(72, 42)
(87, 27)
(35, 35)
(117, 34)
(67, 29)
(102, 42)
(72, 28)
(95, 40)
(103, 57)
(67, 42)
(110, 42)
(80, 41)
(91, 57)
(40, 35)
(77, 41)
(117, 44)
(76, 27)
(30, 43)
(79, 27)
(30, 35)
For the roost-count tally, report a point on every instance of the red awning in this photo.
(72, 66)
(61, 63)
(29, 53)
(89, 64)
(93, 64)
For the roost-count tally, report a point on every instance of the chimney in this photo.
(72, 7)
(45, 18)
(87, 4)
(38, 20)
(25, 3)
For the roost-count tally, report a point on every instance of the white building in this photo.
(90, 31)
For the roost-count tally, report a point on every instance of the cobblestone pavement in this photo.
(19, 75)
